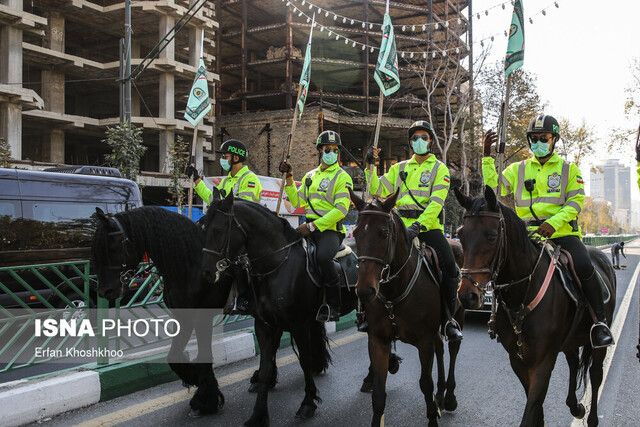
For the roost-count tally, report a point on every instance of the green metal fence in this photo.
(607, 240)
(65, 291)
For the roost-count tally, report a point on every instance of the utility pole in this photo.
(127, 71)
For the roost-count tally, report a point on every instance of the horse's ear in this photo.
(227, 203)
(390, 201)
(357, 201)
(104, 219)
(490, 197)
(215, 195)
(464, 200)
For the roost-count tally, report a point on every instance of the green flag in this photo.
(305, 78)
(386, 72)
(198, 104)
(515, 48)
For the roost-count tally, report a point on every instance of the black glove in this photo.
(413, 230)
(285, 168)
(192, 172)
(369, 159)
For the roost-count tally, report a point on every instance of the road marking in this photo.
(184, 395)
(616, 330)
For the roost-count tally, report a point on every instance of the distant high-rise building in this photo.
(611, 182)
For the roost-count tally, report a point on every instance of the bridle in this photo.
(499, 256)
(126, 275)
(224, 263)
(389, 255)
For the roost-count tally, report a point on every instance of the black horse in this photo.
(174, 243)
(246, 235)
(534, 322)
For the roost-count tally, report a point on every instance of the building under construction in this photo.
(261, 47)
(60, 76)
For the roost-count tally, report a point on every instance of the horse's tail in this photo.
(319, 347)
(583, 367)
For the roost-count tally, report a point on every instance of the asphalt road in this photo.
(489, 393)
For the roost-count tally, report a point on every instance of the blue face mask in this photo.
(540, 149)
(420, 146)
(225, 164)
(330, 158)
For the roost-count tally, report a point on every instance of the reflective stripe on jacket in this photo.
(557, 197)
(245, 185)
(429, 183)
(326, 200)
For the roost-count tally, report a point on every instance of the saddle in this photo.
(431, 260)
(571, 282)
(345, 262)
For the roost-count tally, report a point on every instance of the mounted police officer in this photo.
(325, 196)
(423, 181)
(549, 194)
(245, 185)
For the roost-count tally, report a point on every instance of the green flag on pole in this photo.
(305, 77)
(386, 73)
(515, 48)
(198, 104)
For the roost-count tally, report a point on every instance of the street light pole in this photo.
(127, 71)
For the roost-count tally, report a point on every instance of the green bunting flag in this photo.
(198, 104)
(515, 48)
(305, 78)
(386, 73)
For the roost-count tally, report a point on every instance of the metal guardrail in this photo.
(42, 292)
(607, 240)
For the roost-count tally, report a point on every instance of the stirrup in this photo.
(607, 331)
(456, 326)
(324, 313)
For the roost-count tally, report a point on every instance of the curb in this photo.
(34, 399)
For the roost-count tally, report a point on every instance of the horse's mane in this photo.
(515, 227)
(173, 241)
(276, 221)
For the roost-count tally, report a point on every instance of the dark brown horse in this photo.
(534, 325)
(400, 297)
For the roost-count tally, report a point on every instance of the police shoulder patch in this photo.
(251, 184)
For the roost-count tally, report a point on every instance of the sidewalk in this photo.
(34, 399)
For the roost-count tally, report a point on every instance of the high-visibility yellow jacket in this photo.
(557, 197)
(326, 200)
(245, 185)
(429, 183)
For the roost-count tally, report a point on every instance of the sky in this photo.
(581, 53)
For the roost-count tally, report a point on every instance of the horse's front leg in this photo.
(426, 350)
(573, 360)
(253, 381)
(450, 400)
(308, 406)
(539, 376)
(264, 333)
(379, 357)
(596, 374)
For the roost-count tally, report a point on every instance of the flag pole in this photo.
(192, 160)
(365, 192)
(295, 120)
(503, 136)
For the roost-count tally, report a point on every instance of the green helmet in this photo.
(422, 125)
(236, 147)
(544, 124)
(328, 137)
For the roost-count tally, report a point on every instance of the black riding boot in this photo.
(330, 312)
(449, 294)
(600, 333)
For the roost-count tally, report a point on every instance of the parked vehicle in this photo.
(46, 217)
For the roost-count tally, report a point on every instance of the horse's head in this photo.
(225, 238)
(114, 257)
(376, 233)
(483, 238)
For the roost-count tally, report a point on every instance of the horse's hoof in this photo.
(394, 363)
(579, 411)
(433, 423)
(450, 402)
(195, 413)
(367, 387)
(260, 422)
(305, 412)
(440, 401)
